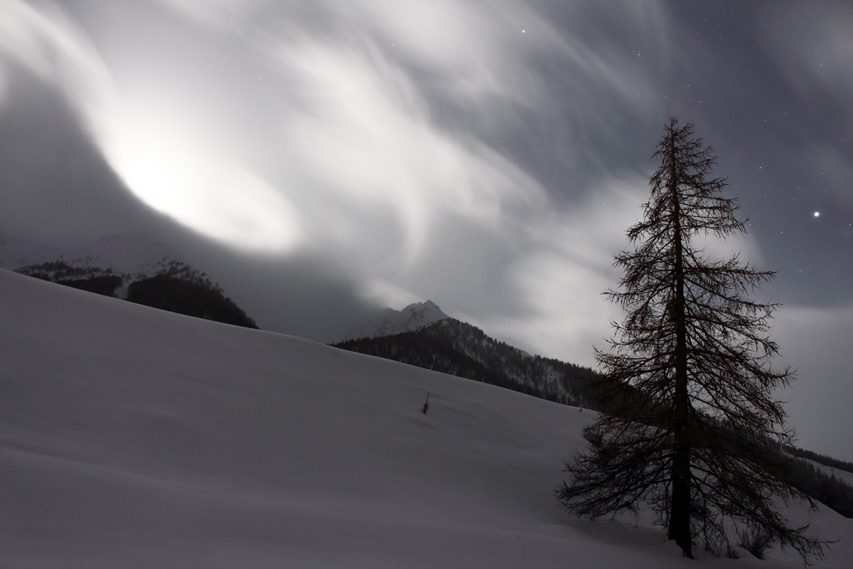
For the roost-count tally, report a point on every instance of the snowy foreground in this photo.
(132, 437)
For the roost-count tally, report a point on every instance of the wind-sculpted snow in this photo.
(132, 437)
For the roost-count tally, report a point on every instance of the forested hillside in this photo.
(170, 285)
(457, 348)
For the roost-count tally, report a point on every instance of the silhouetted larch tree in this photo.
(696, 432)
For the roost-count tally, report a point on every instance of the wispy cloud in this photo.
(814, 58)
(52, 47)
(569, 264)
(361, 140)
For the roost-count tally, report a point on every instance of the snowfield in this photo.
(132, 437)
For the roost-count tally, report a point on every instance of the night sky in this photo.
(320, 159)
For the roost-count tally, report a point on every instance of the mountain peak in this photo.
(427, 311)
(389, 321)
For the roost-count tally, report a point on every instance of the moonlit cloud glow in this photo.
(185, 177)
(168, 165)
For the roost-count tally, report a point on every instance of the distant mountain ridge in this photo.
(457, 348)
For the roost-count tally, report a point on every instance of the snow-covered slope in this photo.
(132, 437)
(389, 321)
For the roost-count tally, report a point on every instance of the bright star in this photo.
(817, 214)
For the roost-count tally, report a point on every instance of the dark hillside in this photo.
(192, 299)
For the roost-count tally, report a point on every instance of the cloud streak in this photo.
(361, 139)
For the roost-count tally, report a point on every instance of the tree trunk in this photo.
(679, 518)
